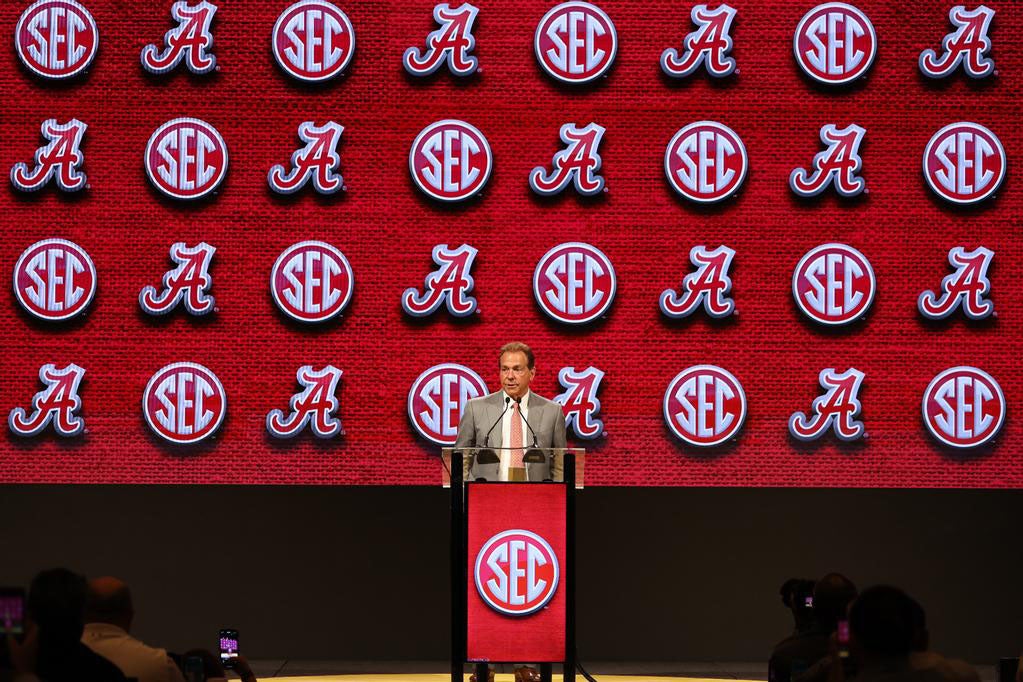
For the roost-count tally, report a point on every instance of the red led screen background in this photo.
(387, 228)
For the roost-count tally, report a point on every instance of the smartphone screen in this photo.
(843, 638)
(228, 647)
(12, 610)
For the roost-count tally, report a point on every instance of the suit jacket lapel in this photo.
(496, 407)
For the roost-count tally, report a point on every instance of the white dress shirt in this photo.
(506, 424)
(134, 658)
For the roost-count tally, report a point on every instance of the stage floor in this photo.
(500, 677)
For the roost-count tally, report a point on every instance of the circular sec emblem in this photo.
(705, 405)
(833, 284)
(706, 162)
(964, 407)
(450, 160)
(516, 572)
(184, 403)
(575, 42)
(311, 281)
(54, 279)
(964, 163)
(437, 399)
(56, 39)
(313, 41)
(834, 43)
(186, 158)
(574, 283)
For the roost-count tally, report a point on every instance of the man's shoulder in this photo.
(537, 400)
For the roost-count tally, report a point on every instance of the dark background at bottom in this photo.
(665, 574)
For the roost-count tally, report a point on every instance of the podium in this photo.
(513, 559)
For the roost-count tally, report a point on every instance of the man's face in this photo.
(515, 374)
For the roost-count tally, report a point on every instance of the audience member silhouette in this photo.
(796, 654)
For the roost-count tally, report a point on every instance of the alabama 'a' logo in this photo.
(580, 402)
(451, 43)
(315, 406)
(833, 284)
(577, 163)
(707, 286)
(54, 280)
(450, 160)
(963, 407)
(57, 404)
(437, 400)
(56, 39)
(186, 283)
(516, 572)
(184, 403)
(836, 410)
(575, 42)
(58, 159)
(186, 158)
(450, 284)
(834, 43)
(574, 283)
(317, 160)
(704, 405)
(967, 45)
(311, 281)
(189, 41)
(706, 162)
(313, 41)
(708, 46)
(837, 165)
(964, 163)
(966, 288)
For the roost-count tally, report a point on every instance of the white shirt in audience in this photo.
(134, 658)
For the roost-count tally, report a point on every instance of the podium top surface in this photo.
(494, 465)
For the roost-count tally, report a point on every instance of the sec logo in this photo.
(313, 41)
(437, 399)
(186, 158)
(311, 281)
(184, 403)
(450, 160)
(963, 407)
(574, 283)
(575, 42)
(834, 43)
(964, 163)
(516, 572)
(54, 279)
(56, 39)
(705, 162)
(833, 284)
(704, 405)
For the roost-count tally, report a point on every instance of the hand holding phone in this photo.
(12, 610)
(228, 648)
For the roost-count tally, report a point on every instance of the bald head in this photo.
(109, 601)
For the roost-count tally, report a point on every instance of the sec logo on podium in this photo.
(516, 572)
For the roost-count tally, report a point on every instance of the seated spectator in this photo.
(108, 616)
(212, 670)
(795, 655)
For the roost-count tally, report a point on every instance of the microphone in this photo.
(507, 402)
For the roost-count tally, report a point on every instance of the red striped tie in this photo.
(516, 437)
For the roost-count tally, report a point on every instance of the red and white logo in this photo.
(451, 43)
(318, 161)
(575, 42)
(834, 43)
(706, 162)
(577, 163)
(437, 399)
(313, 41)
(186, 158)
(964, 163)
(835, 410)
(54, 279)
(56, 404)
(968, 45)
(516, 572)
(311, 281)
(59, 158)
(837, 165)
(56, 39)
(450, 160)
(579, 401)
(965, 288)
(705, 405)
(574, 283)
(314, 407)
(450, 284)
(707, 286)
(964, 407)
(189, 41)
(709, 45)
(187, 283)
(184, 403)
(833, 284)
